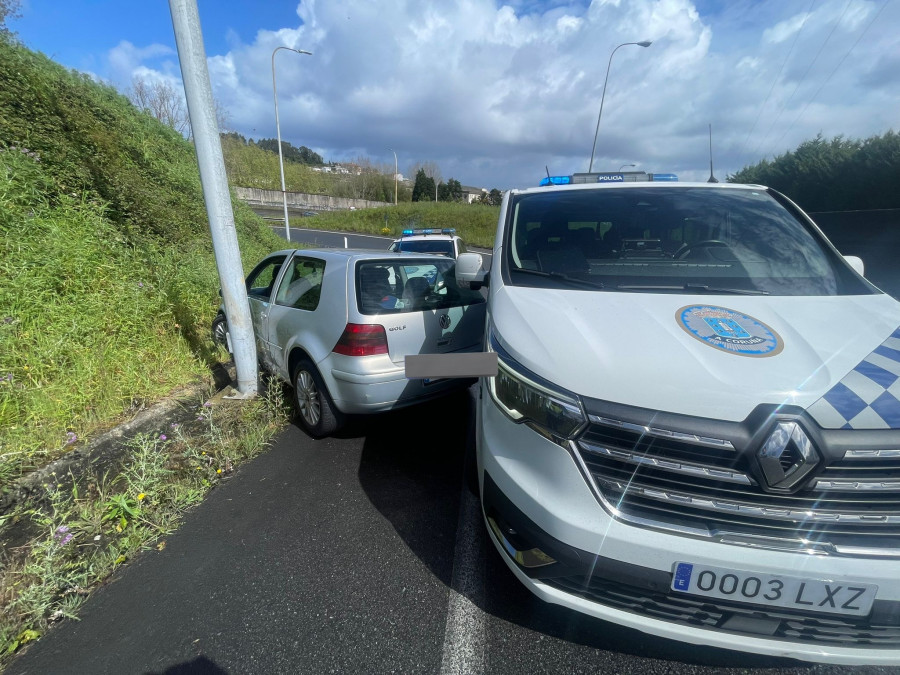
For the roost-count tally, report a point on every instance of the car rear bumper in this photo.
(375, 384)
(535, 499)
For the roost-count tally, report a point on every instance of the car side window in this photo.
(462, 247)
(263, 276)
(301, 287)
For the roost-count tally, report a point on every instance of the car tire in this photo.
(220, 330)
(316, 412)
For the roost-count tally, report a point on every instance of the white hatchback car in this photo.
(337, 325)
(695, 427)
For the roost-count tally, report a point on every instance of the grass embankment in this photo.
(475, 223)
(107, 287)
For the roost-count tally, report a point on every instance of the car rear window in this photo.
(426, 246)
(398, 287)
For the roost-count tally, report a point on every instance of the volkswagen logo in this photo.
(787, 456)
(445, 321)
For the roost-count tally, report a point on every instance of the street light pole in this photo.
(287, 229)
(624, 165)
(644, 43)
(395, 176)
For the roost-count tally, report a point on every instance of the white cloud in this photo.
(494, 92)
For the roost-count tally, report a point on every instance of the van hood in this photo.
(714, 356)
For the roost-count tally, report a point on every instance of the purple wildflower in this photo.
(71, 437)
(140, 284)
(174, 425)
(62, 535)
(162, 437)
(207, 405)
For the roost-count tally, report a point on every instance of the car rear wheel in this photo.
(316, 411)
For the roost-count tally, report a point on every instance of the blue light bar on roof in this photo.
(609, 177)
(429, 230)
(448, 230)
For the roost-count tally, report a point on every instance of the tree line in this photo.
(840, 174)
(301, 155)
(425, 190)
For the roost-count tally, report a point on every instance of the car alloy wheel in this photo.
(220, 331)
(308, 398)
(317, 413)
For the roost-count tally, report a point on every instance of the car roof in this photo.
(355, 254)
(637, 185)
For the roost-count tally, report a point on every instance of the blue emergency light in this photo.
(608, 177)
(429, 230)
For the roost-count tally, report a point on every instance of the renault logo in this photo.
(787, 456)
(445, 321)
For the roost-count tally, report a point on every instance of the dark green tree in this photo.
(836, 175)
(495, 197)
(423, 188)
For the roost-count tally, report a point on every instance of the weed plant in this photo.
(108, 281)
(86, 529)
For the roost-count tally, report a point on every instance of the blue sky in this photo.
(493, 92)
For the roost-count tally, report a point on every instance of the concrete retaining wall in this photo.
(255, 197)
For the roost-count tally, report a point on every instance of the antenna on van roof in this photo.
(712, 179)
(547, 169)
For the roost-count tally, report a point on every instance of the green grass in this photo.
(475, 223)
(107, 275)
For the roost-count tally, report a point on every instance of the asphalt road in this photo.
(355, 554)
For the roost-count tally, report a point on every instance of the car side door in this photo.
(293, 317)
(260, 286)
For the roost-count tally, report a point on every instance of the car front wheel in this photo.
(220, 330)
(316, 411)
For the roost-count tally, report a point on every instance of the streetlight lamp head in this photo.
(645, 43)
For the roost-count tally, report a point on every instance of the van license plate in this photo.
(811, 595)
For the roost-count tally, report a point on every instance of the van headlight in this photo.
(554, 414)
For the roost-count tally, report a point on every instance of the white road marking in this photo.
(464, 640)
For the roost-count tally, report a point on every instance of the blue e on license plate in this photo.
(811, 595)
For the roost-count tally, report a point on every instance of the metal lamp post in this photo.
(644, 43)
(624, 165)
(395, 176)
(287, 229)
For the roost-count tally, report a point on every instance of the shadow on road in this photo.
(410, 469)
(199, 666)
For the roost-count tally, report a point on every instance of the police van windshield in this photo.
(670, 240)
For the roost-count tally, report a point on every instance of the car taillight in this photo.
(362, 340)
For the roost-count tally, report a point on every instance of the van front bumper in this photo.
(539, 508)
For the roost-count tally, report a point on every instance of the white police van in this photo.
(695, 426)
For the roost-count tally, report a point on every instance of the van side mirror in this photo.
(470, 271)
(857, 264)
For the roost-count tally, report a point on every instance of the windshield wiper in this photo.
(559, 276)
(694, 288)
